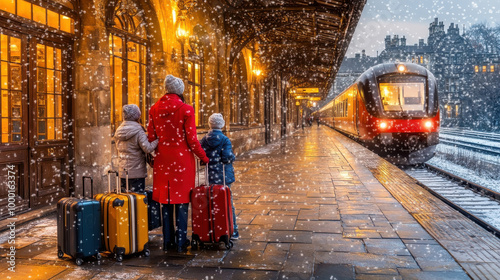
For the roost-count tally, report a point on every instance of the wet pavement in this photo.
(307, 208)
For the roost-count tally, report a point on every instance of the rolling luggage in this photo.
(212, 214)
(79, 226)
(124, 221)
(154, 212)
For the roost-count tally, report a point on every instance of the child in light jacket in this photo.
(133, 145)
(218, 148)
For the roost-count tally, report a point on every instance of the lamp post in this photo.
(182, 34)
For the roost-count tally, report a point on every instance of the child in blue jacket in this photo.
(219, 150)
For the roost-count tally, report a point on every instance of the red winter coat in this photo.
(173, 123)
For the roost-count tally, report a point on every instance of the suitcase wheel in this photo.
(147, 252)
(229, 244)
(79, 261)
(196, 242)
(60, 254)
(119, 258)
(98, 256)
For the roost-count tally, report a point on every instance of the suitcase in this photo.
(211, 214)
(124, 221)
(79, 226)
(154, 212)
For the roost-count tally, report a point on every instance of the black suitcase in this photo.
(79, 227)
(154, 212)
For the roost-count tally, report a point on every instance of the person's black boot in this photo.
(183, 248)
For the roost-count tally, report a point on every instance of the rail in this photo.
(454, 197)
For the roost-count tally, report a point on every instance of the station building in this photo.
(68, 67)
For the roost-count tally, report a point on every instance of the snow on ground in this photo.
(466, 173)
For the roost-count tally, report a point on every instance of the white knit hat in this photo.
(174, 85)
(131, 112)
(216, 121)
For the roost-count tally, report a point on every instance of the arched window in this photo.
(128, 54)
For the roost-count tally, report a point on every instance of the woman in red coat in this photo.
(173, 123)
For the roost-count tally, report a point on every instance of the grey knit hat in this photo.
(174, 85)
(216, 121)
(131, 112)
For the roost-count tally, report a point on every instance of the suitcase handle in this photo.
(91, 186)
(117, 180)
(126, 179)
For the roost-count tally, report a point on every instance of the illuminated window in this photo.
(402, 94)
(238, 95)
(128, 60)
(421, 59)
(49, 93)
(448, 111)
(39, 14)
(476, 68)
(484, 68)
(457, 111)
(11, 89)
(193, 93)
(492, 68)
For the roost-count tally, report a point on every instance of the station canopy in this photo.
(305, 41)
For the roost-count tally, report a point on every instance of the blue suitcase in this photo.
(79, 227)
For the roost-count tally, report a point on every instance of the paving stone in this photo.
(365, 260)
(335, 242)
(333, 271)
(300, 260)
(386, 247)
(289, 236)
(408, 231)
(319, 226)
(275, 222)
(32, 271)
(433, 275)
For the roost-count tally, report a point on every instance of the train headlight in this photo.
(401, 68)
(428, 124)
(382, 125)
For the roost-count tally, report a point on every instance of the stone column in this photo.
(92, 102)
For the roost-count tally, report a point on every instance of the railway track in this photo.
(476, 202)
(489, 136)
(481, 148)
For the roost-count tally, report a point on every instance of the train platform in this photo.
(315, 205)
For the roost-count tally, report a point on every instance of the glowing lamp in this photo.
(382, 125)
(181, 32)
(428, 124)
(401, 68)
(257, 72)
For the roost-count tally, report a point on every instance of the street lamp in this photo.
(182, 33)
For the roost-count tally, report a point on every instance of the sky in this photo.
(411, 18)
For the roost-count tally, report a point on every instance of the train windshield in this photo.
(402, 93)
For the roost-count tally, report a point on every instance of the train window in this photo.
(402, 94)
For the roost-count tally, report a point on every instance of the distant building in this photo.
(454, 61)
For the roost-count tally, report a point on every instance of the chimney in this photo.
(403, 41)
(420, 43)
(363, 54)
(357, 56)
(387, 41)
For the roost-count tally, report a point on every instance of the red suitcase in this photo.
(211, 214)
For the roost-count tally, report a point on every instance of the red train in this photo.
(393, 108)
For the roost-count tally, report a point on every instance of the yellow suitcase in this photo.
(124, 221)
